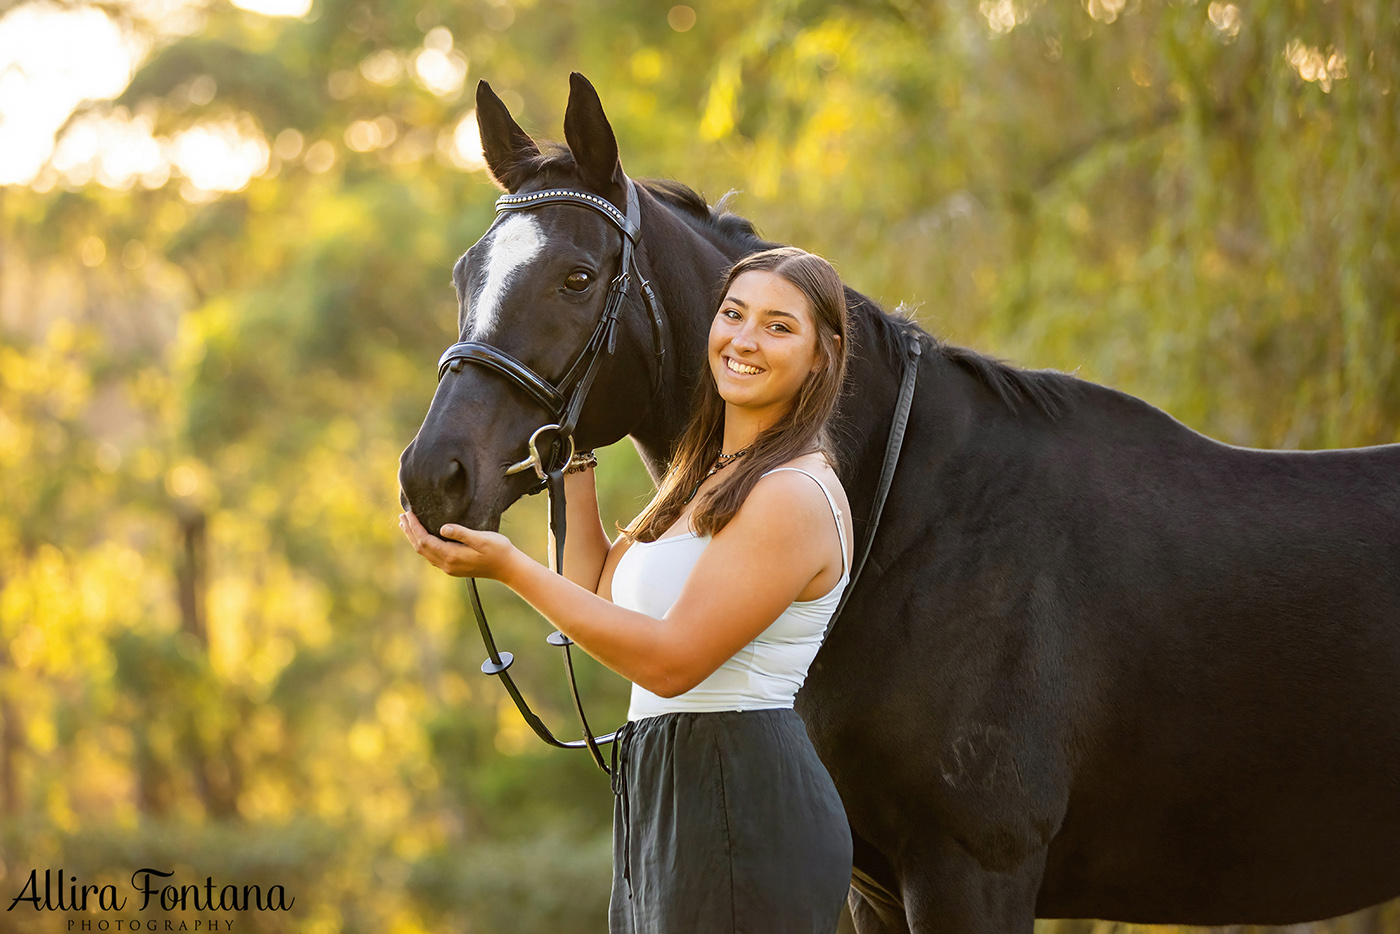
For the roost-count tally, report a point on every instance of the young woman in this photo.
(713, 603)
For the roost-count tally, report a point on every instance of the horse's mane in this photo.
(1046, 390)
(738, 232)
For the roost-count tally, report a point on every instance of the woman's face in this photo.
(763, 342)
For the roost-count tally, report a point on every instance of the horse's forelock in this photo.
(552, 166)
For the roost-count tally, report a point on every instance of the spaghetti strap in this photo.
(840, 529)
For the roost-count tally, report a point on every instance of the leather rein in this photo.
(550, 456)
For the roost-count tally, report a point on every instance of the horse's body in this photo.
(1127, 672)
(1099, 665)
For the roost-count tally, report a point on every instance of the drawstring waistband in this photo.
(619, 787)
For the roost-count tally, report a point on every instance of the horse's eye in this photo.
(578, 281)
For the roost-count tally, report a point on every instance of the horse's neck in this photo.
(684, 268)
(868, 404)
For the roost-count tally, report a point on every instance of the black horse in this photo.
(1099, 665)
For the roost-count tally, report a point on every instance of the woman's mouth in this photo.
(743, 369)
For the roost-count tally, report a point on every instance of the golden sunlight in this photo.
(51, 59)
(466, 144)
(275, 7)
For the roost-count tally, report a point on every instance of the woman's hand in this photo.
(461, 552)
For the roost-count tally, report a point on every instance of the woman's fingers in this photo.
(456, 533)
(413, 530)
(459, 551)
(426, 544)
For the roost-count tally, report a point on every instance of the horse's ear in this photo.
(507, 148)
(590, 137)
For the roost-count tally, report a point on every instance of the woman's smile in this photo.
(743, 369)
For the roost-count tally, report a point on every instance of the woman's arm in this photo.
(586, 544)
(633, 644)
(778, 541)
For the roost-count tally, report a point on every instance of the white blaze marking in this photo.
(516, 241)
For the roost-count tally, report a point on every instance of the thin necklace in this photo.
(724, 460)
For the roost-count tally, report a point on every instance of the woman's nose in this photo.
(745, 339)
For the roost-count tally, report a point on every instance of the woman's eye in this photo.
(578, 281)
(730, 313)
(784, 327)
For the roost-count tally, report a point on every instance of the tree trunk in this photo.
(11, 745)
(191, 573)
(11, 735)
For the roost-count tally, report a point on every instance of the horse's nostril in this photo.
(455, 483)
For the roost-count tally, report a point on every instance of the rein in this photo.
(892, 446)
(565, 410)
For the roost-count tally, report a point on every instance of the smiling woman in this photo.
(714, 602)
(767, 358)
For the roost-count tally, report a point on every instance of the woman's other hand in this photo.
(460, 551)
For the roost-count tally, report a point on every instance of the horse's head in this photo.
(533, 287)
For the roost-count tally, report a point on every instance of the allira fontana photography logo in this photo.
(58, 891)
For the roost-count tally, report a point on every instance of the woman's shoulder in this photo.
(785, 499)
(785, 480)
(813, 463)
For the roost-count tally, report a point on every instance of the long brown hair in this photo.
(802, 430)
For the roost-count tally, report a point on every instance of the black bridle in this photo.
(565, 410)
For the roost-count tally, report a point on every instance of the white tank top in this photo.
(765, 673)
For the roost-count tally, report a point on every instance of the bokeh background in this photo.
(226, 233)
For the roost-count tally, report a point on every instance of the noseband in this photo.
(564, 414)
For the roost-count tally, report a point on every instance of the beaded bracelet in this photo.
(583, 460)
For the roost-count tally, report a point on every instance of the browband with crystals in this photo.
(565, 196)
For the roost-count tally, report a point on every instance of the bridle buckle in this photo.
(536, 460)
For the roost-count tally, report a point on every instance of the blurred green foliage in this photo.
(216, 654)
